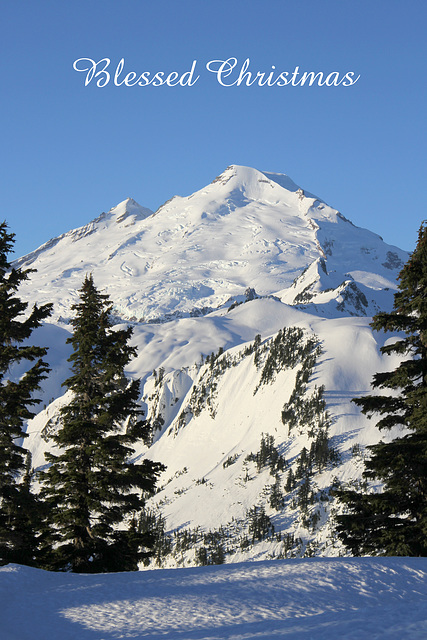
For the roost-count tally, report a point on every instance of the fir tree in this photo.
(394, 520)
(94, 492)
(18, 534)
(277, 500)
(290, 481)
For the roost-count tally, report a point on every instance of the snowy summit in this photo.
(247, 229)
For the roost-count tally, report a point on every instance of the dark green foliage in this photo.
(18, 506)
(209, 547)
(393, 521)
(309, 413)
(204, 393)
(257, 350)
(291, 546)
(217, 554)
(23, 531)
(268, 456)
(319, 455)
(259, 524)
(277, 500)
(252, 347)
(214, 356)
(321, 452)
(202, 557)
(304, 465)
(290, 481)
(93, 491)
(286, 350)
(212, 551)
(158, 377)
(303, 493)
(154, 525)
(230, 460)
(314, 520)
(156, 425)
(186, 539)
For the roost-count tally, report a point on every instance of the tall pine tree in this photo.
(18, 533)
(394, 521)
(94, 492)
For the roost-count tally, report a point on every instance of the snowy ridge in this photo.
(127, 212)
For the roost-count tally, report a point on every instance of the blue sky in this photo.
(71, 151)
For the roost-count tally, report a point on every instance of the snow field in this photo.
(330, 599)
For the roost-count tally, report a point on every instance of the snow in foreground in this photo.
(298, 599)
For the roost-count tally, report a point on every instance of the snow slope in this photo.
(327, 599)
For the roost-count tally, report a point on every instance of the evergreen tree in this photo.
(93, 490)
(290, 481)
(18, 535)
(394, 520)
(277, 500)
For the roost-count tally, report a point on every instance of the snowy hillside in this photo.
(290, 389)
(328, 599)
(267, 293)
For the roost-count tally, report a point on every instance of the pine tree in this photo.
(94, 492)
(394, 520)
(18, 535)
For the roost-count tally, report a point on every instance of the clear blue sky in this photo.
(70, 152)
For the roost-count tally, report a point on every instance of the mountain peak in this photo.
(128, 210)
(259, 185)
(247, 174)
(246, 229)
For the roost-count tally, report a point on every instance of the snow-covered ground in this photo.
(363, 598)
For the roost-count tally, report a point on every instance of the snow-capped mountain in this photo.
(245, 230)
(262, 295)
